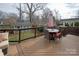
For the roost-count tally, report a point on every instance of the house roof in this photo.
(69, 19)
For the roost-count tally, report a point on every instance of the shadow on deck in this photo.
(40, 46)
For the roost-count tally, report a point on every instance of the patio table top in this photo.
(53, 30)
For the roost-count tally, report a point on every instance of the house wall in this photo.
(69, 22)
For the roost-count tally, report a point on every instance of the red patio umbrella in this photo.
(51, 22)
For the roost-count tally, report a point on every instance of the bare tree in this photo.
(3, 15)
(57, 16)
(45, 15)
(20, 10)
(31, 8)
(11, 19)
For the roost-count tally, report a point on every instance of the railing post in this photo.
(19, 36)
(35, 32)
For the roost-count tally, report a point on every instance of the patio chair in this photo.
(58, 35)
(1, 53)
(4, 42)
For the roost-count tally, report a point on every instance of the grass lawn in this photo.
(24, 34)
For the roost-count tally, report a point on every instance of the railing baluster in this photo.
(35, 32)
(19, 36)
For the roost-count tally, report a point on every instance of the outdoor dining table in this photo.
(52, 33)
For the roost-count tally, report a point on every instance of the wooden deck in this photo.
(40, 46)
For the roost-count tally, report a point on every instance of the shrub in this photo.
(71, 24)
(66, 24)
(76, 23)
(40, 29)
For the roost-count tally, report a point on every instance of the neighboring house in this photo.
(68, 22)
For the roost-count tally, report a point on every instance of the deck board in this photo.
(40, 46)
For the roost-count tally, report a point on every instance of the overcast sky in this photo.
(8, 7)
(65, 10)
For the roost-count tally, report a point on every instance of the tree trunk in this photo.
(30, 18)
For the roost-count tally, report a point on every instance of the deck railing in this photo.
(70, 30)
(20, 34)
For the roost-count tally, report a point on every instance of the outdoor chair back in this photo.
(4, 42)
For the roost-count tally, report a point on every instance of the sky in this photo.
(8, 7)
(65, 10)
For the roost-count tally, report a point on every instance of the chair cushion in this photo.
(1, 53)
(58, 34)
(4, 44)
(3, 36)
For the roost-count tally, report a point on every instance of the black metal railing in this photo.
(22, 33)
